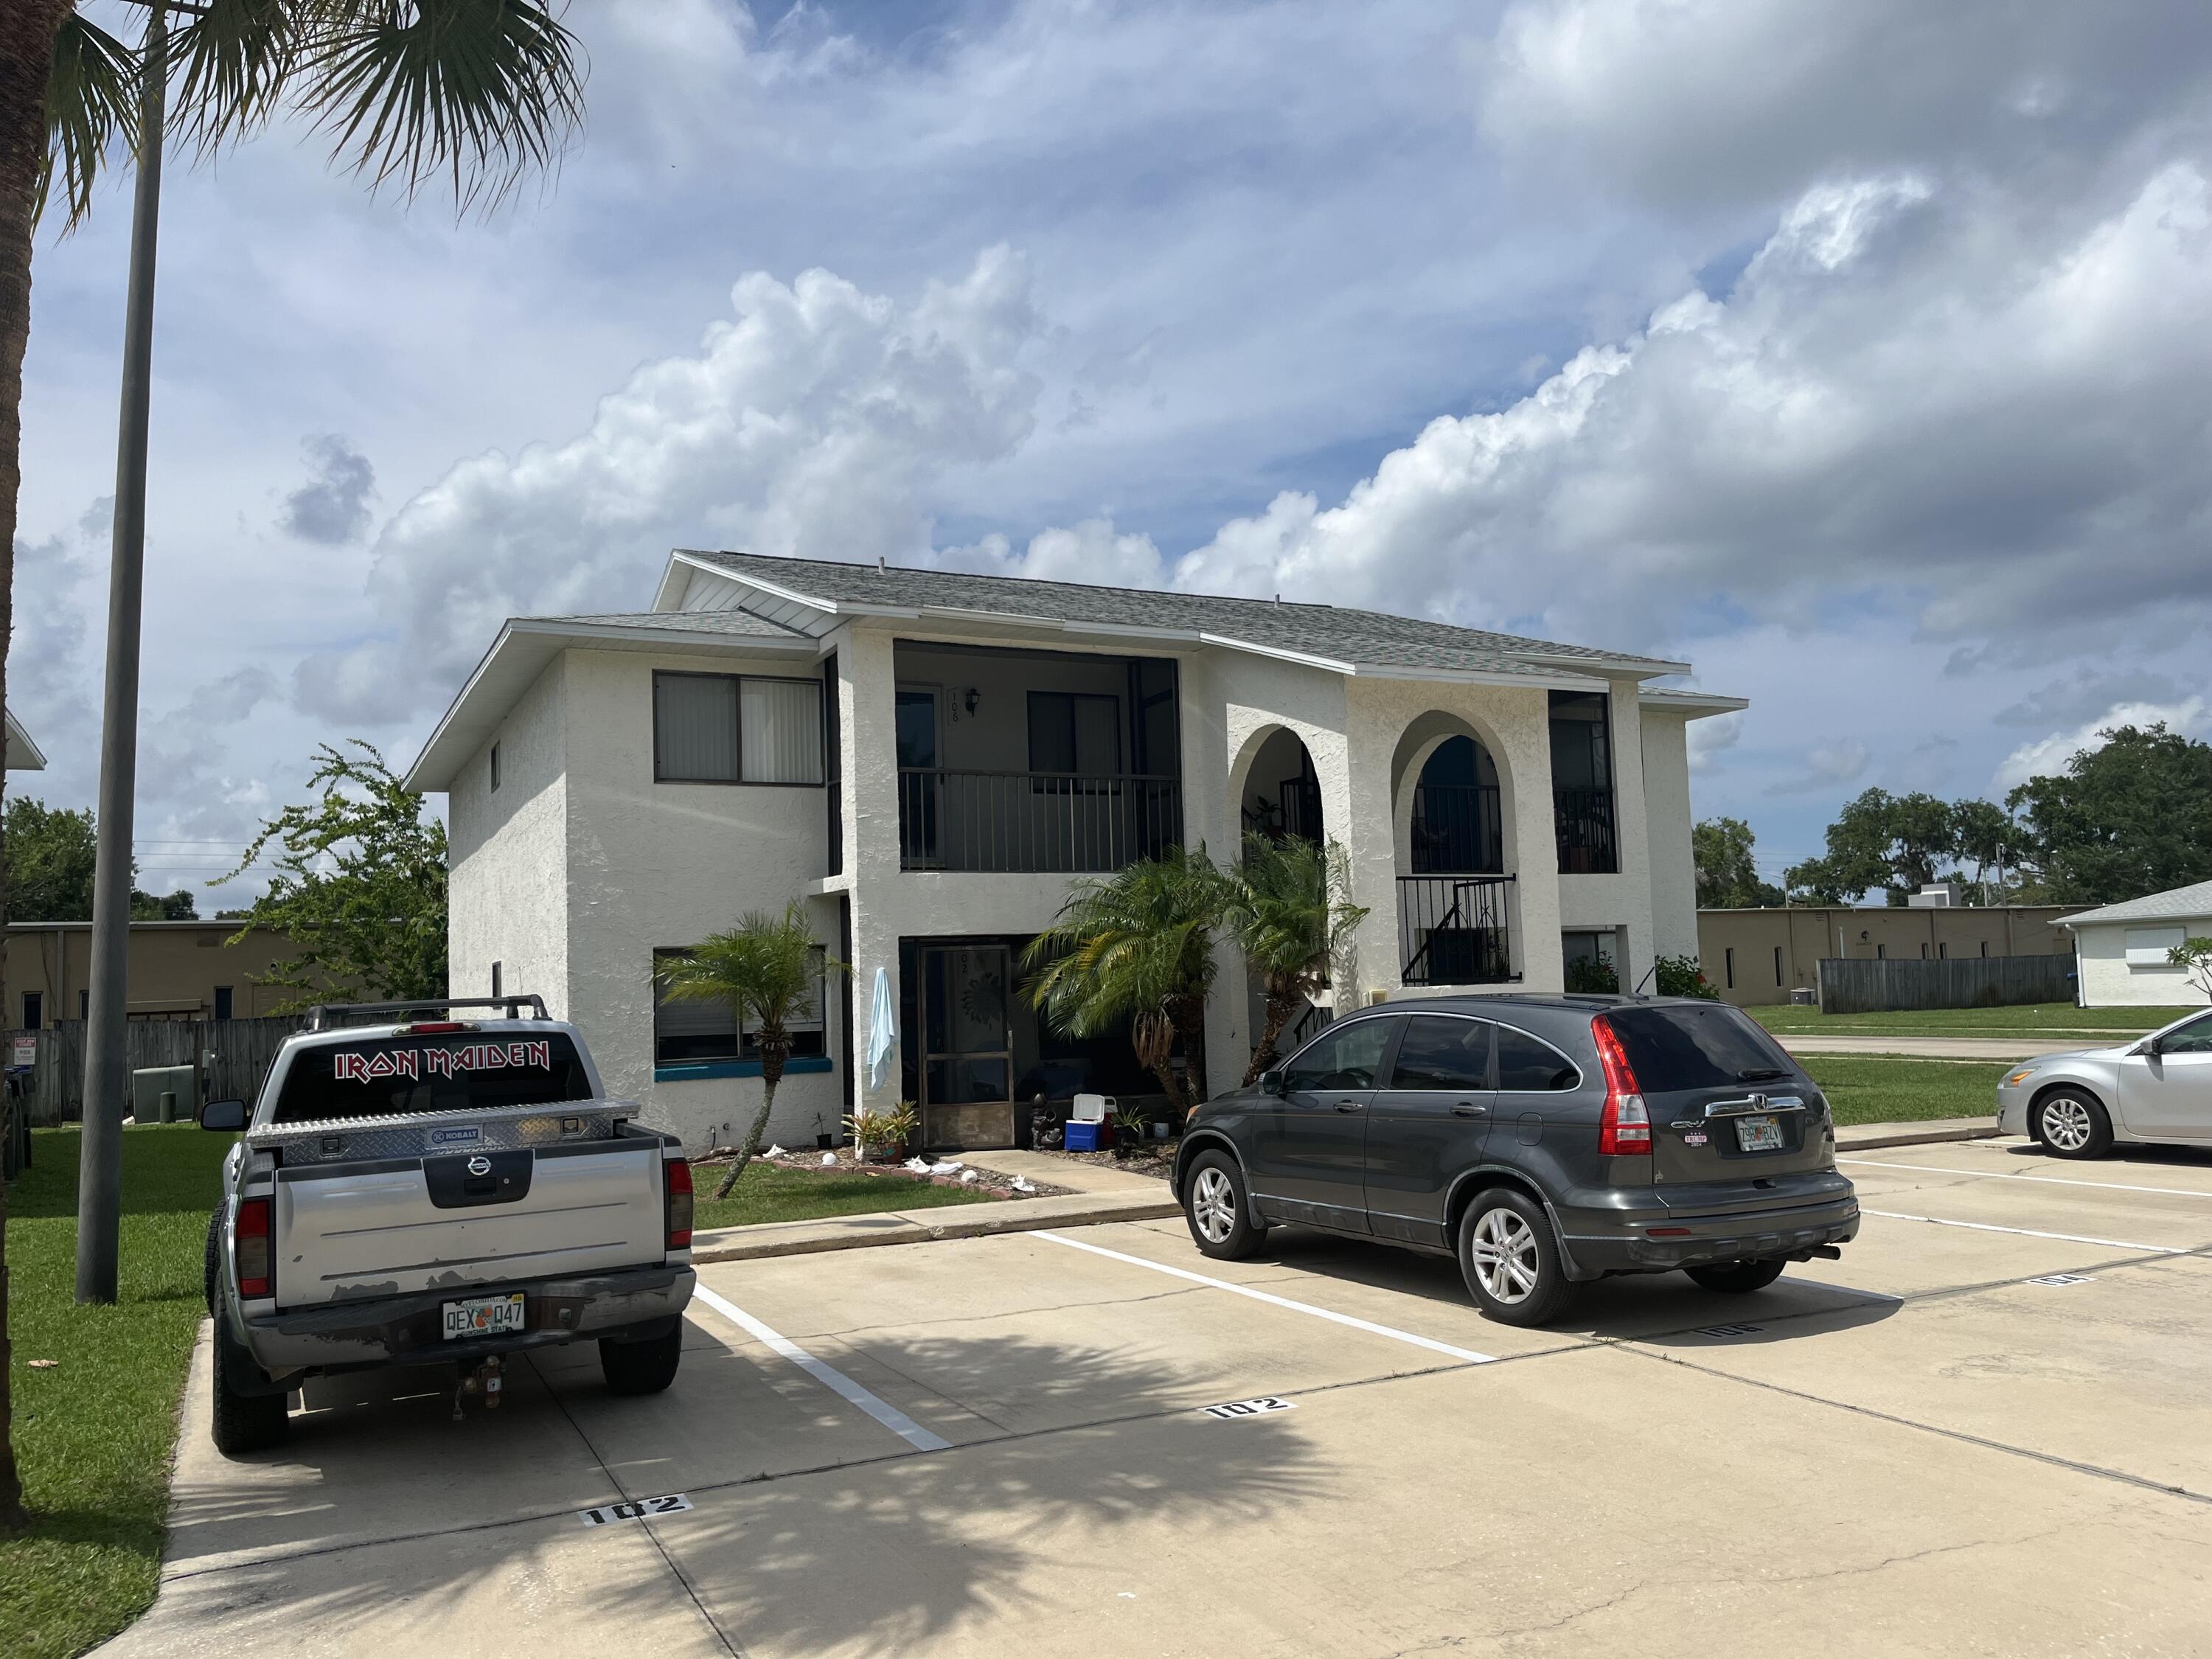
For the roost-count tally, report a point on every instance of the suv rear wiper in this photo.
(1760, 1074)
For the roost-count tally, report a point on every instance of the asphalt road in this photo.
(998, 1446)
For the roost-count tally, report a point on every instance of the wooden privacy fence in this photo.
(1859, 985)
(242, 1050)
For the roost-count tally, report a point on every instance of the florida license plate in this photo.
(483, 1315)
(1758, 1134)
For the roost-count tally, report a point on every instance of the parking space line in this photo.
(828, 1376)
(2030, 1232)
(2017, 1175)
(1334, 1318)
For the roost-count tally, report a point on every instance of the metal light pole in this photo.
(99, 1165)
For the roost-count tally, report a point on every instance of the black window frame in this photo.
(1047, 774)
(737, 730)
(35, 1011)
(225, 1002)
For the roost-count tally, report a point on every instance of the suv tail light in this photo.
(252, 1241)
(1625, 1129)
(677, 1174)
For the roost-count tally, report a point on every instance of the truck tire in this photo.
(243, 1422)
(214, 1254)
(645, 1367)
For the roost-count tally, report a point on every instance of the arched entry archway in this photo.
(1279, 794)
(1455, 839)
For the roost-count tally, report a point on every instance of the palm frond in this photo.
(231, 62)
(766, 970)
(484, 91)
(91, 102)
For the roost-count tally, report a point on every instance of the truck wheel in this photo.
(645, 1367)
(243, 1422)
(214, 1254)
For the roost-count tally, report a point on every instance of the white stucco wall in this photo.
(508, 859)
(2108, 981)
(1671, 861)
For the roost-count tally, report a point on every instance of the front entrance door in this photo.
(967, 1046)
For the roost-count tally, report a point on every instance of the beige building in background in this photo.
(178, 970)
(1754, 958)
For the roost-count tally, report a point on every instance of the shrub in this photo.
(1681, 976)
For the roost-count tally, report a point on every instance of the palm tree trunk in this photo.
(27, 56)
(772, 1058)
(1278, 1015)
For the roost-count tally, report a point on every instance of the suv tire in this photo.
(2071, 1123)
(1510, 1259)
(1737, 1278)
(1220, 1210)
(645, 1367)
(243, 1422)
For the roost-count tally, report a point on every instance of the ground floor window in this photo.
(1591, 959)
(684, 1029)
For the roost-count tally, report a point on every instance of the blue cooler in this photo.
(1085, 1137)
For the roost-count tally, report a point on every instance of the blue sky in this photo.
(1858, 355)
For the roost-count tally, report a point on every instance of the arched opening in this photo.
(1281, 793)
(1455, 846)
(1458, 826)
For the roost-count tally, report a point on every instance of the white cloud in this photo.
(1711, 738)
(1827, 766)
(332, 507)
(809, 426)
(2048, 756)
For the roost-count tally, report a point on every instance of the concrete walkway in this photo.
(1100, 1194)
(1863, 1136)
(1945, 1047)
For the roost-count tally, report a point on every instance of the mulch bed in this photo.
(1154, 1158)
(810, 1161)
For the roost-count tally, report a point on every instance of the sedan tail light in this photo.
(1625, 1128)
(677, 1174)
(251, 1239)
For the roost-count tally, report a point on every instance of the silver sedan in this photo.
(2077, 1104)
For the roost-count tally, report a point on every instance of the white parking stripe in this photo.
(828, 1376)
(2019, 1174)
(1334, 1318)
(2030, 1232)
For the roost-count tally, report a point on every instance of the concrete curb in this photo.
(860, 1232)
(1865, 1137)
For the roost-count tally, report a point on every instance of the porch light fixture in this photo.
(972, 700)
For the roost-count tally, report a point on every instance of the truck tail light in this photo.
(251, 1238)
(435, 1027)
(1625, 1128)
(678, 1174)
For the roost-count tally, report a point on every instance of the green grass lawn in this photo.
(1874, 1089)
(2055, 1020)
(94, 1436)
(770, 1192)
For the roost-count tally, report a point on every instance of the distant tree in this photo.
(360, 888)
(50, 861)
(2195, 955)
(2133, 817)
(1728, 878)
(1984, 834)
(178, 906)
(766, 971)
(1894, 843)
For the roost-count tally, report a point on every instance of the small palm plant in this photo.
(1135, 947)
(764, 970)
(1287, 910)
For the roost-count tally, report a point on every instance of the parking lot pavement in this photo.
(997, 1446)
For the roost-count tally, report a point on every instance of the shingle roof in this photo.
(742, 622)
(1339, 633)
(2195, 900)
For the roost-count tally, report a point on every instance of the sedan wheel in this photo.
(2071, 1124)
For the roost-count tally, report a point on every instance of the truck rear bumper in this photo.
(404, 1330)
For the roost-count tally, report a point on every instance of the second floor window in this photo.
(1076, 732)
(735, 728)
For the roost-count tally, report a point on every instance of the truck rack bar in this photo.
(323, 1016)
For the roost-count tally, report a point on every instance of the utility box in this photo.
(165, 1094)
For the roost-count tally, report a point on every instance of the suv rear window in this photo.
(463, 1071)
(1708, 1046)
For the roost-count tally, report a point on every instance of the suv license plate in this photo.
(483, 1315)
(1758, 1134)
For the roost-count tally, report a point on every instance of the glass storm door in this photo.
(967, 1039)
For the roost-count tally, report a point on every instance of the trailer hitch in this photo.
(483, 1381)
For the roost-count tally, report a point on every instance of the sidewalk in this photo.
(1864, 1137)
(1098, 1195)
(1944, 1048)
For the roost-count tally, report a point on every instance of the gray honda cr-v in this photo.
(1544, 1140)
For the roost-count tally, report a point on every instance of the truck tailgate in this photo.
(350, 1230)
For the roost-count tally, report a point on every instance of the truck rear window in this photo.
(1709, 1046)
(463, 1071)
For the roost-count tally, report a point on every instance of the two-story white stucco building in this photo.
(926, 759)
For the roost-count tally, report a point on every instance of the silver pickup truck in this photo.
(419, 1189)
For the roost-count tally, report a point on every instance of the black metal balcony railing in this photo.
(1452, 930)
(1034, 821)
(1587, 843)
(1457, 828)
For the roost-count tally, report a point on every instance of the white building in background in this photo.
(926, 759)
(2120, 950)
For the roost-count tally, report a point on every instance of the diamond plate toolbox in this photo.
(429, 1134)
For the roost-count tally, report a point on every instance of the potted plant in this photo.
(885, 1136)
(822, 1140)
(1128, 1131)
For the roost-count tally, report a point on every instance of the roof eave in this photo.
(1640, 667)
(18, 741)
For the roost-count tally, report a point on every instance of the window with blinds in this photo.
(684, 1029)
(735, 728)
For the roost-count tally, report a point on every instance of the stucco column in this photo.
(1210, 820)
(1524, 732)
(1631, 827)
(868, 738)
(1360, 812)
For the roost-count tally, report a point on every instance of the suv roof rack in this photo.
(325, 1015)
